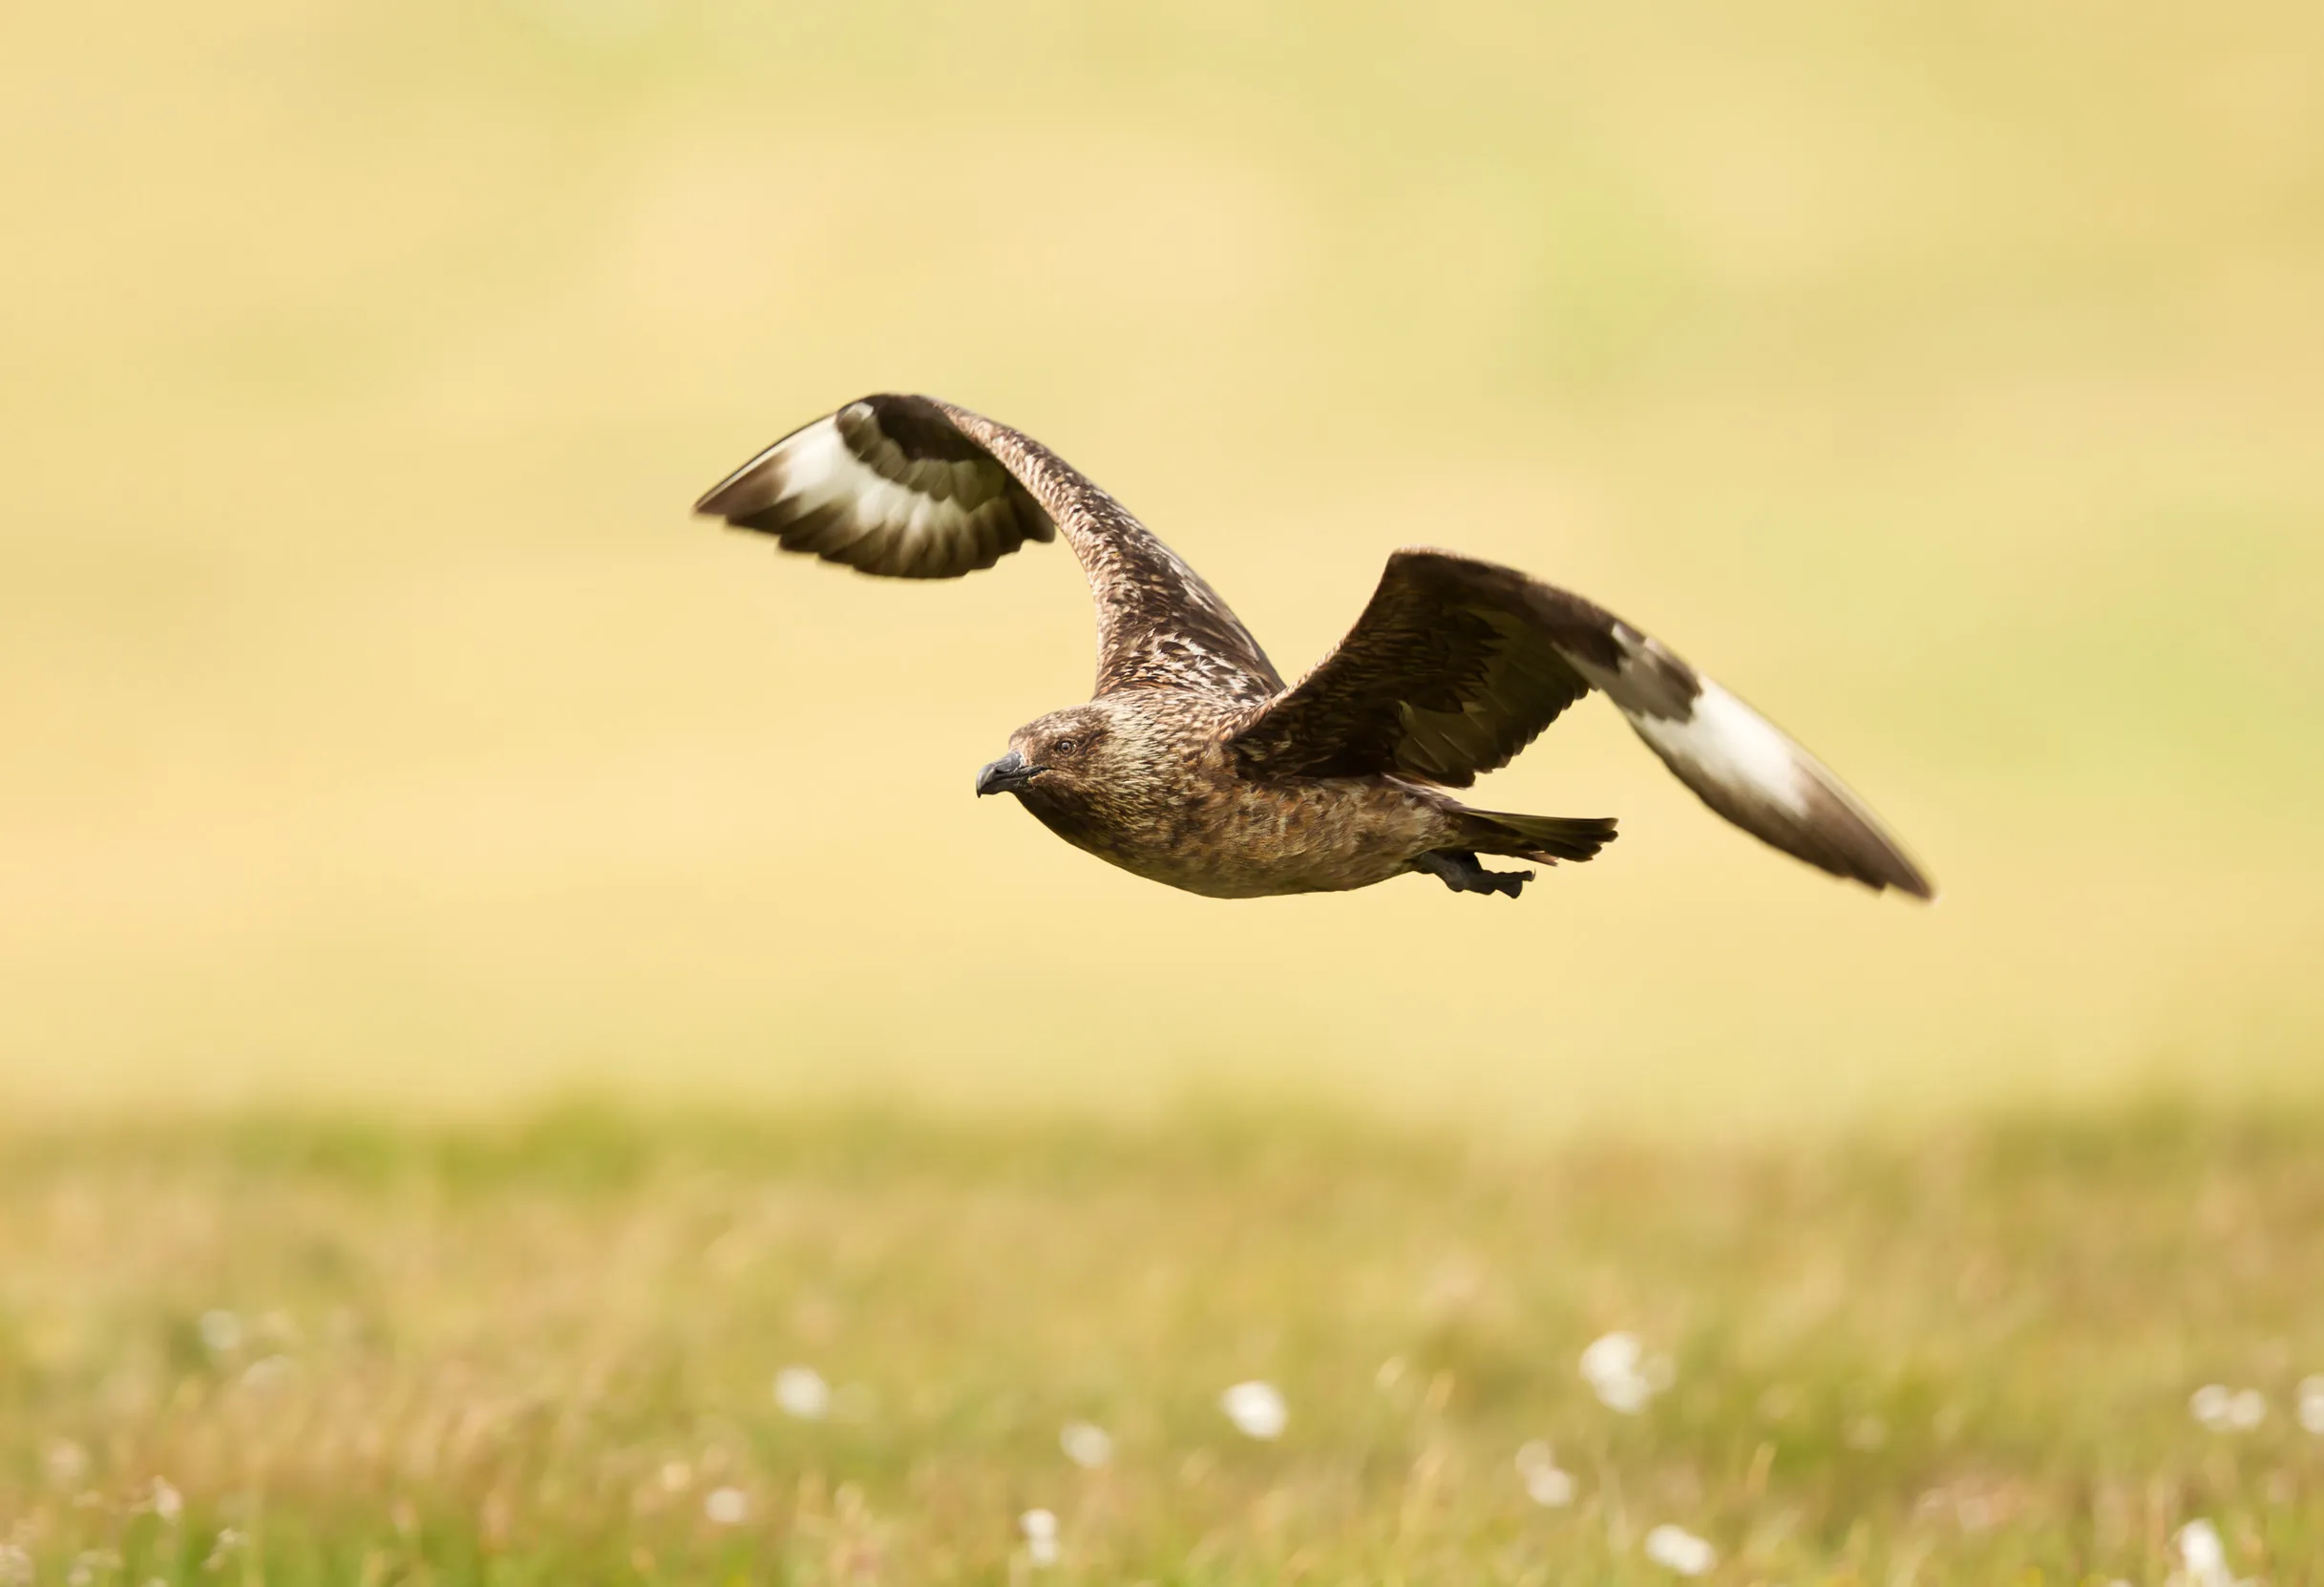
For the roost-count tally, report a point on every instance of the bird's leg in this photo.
(1458, 869)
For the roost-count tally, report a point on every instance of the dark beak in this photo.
(1010, 775)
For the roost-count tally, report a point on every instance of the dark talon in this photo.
(1458, 869)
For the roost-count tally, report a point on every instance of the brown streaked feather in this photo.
(912, 488)
(1159, 624)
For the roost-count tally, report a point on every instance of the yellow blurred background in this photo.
(380, 730)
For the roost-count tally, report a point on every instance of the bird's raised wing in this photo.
(909, 487)
(1457, 665)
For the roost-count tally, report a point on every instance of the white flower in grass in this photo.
(1257, 1410)
(1039, 1529)
(1610, 1355)
(2203, 1559)
(1547, 1483)
(801, 1393)
(2200, 1549)
(1087, 1445)
(2312, 1404)
(1627, 1396)
(1677, 1549)
(219, 1329)
(1621, 1374)
(2224, 1410)
(726, 1507)
(167, 1502)
(15, 1566)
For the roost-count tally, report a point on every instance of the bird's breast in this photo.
(1223, 836)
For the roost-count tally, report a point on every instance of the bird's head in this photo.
(1075, 763)
(1053, 756)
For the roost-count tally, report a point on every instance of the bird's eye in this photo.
(1063, 747)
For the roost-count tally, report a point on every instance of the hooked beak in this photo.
(1010, 775)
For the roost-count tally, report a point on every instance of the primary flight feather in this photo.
(1193, 764)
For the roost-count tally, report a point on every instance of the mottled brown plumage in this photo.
(1193, 765)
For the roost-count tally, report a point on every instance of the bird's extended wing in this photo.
(912, 488)
(1457, 665)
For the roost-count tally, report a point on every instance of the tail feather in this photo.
(1545, 840)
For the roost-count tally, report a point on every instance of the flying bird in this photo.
(1194, 764)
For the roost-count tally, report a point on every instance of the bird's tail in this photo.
(1545, 840)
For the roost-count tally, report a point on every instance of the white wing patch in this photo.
(822, 473)
(1746, 768)
(1726, 742)
(844, 490)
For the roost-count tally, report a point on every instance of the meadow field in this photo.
(849, 1349)
(386, 760)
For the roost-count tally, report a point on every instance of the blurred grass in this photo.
(379, 731)
(530, 1350)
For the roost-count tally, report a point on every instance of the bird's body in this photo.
(1190, 818)
(1195, 766)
